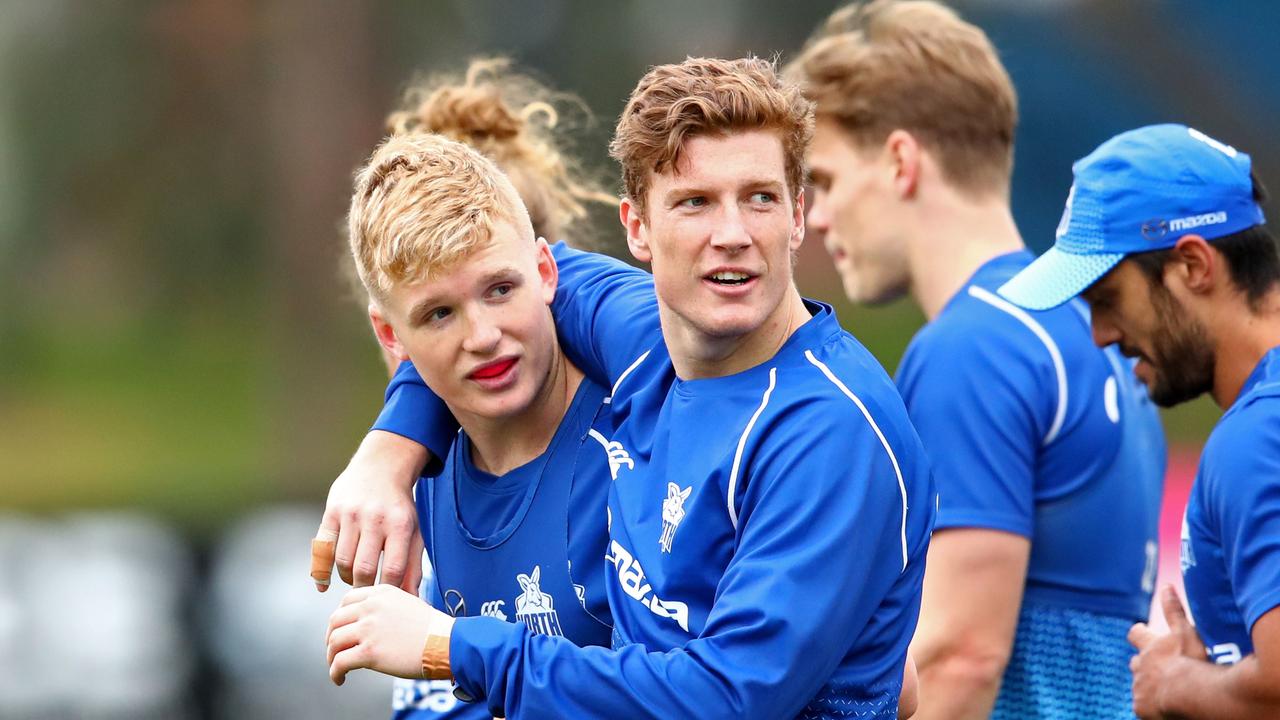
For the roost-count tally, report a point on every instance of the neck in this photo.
(956, 236)
(1241, 336)
(696, 355)
(499, 445)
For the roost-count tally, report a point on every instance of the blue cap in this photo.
(1139, 191)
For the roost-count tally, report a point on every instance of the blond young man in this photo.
(513, 517)
(767, 532)
(1048, 457)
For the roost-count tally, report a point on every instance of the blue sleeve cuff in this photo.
(412, 411)
(477, 645)
(969, 518)
(1254, 610)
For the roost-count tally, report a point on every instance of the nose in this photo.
(1104, 331)
(730, 233)
(818, 219)
(483, 334)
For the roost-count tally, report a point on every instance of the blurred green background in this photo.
(176, 333)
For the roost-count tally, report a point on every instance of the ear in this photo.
(523, 580)
(385, 333)
(637, 234)
(548, 271)
(1198, 264)
(685, 495)
(903, 152)
(797, 222)
(672, 489)
(537, 574)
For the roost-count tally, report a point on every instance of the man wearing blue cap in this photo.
(1163, 235)
(1048, 456)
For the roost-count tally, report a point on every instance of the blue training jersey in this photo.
(1231, 530)
(1035, 431)
(523, 547)
(767, 531)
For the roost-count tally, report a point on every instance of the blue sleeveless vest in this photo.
(521, 572)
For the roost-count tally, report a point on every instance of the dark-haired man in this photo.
(1163, 235)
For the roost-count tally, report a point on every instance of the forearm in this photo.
(958, 685)
(394, 457)
(1205, 691)
(520, 674)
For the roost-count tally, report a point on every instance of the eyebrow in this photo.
(417, 314)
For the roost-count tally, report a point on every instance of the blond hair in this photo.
(700, 96)
(522, 126)
(916, 65)
(421, 204)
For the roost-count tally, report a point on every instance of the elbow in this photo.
(974, 666)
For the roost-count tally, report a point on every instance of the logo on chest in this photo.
(672, 514)
(536, 608)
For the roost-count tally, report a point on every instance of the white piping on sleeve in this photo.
(1054, 354)
(742, 442)
(623, 376)
(902, 486)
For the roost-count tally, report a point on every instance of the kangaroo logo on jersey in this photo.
(536, 608)
(672, 514)
(618, 455)
(493, 609)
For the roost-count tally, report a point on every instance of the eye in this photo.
(763, 198)
(502, 290)
(438, 314)
(696, 201)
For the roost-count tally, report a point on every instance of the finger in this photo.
(343, 616)
(344, 662)
(1134, 663)
(413, 573)
(397, 553)
(1174, 614)
(322, 552)
(1140, 635)
(347, 636)
(368, 550)
(356, 595)
(348, 539)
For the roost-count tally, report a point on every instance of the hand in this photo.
(382, 628)
(370, 513)
(1161, 656)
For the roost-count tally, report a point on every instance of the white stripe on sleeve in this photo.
(742, 442)
(902, 486)
(1054, 354)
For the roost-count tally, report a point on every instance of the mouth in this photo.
(730, 280)
(494, 373)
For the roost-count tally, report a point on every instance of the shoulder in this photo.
(1245, 444)
(836, 387)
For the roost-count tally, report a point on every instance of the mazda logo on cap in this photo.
(1155, 229)
(455, 603)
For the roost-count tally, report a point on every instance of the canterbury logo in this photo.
(672, 514)
(493, 609)
(618, 455)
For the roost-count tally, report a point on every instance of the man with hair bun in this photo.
(1164, 235)
(768, 527)
(1047, 454)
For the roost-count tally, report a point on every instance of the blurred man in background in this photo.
(1048, 456)
(1163, 235)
